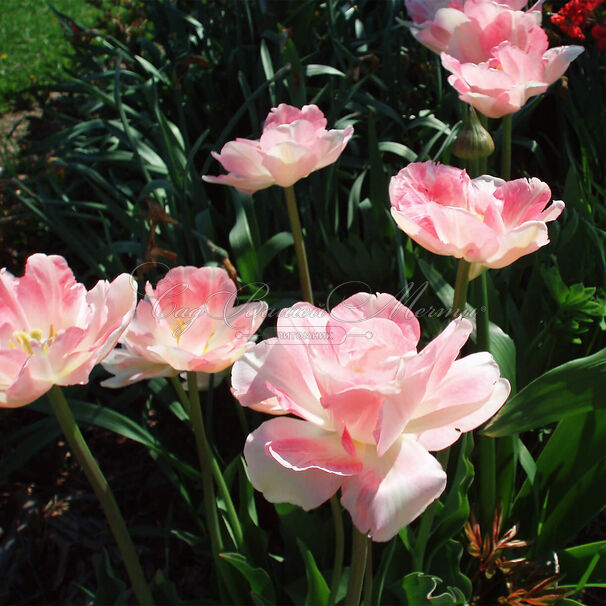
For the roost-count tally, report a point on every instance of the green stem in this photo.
(337, 570)
(460, 292)
(506, 147)
(232, 516)
(205, 459)
(487, 480)
(482, 317)
(181, 394)
(99, 484)
(368, 577)
(359, 549)
(426, 522)
(297, 233)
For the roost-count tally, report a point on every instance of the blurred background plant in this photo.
(109, 176)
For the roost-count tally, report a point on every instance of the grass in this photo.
(32, 45)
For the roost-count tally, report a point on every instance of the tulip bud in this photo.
(474, 141)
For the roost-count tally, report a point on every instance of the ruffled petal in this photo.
(308, 488)
(392, 490)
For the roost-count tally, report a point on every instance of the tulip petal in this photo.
(392, 490)
(129, 367)
(277, 374)
(280, 484)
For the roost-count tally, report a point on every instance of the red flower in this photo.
(577, 15)
(599, 33)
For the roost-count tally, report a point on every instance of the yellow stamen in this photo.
(180, 329)
(207, 346)
(22, 339)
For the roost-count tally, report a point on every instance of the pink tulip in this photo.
(486, 221)
(294, 143)
(498, 54)
(504, 83)
(52, 330)
(469, 33)
(369, 408)
(187, 323)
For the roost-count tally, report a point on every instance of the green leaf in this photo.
(583, 566)
(398, 149)
(241, 241)
(570, 389)
(110, 589)
(502, 346)
(454, 510)
(164, 591)
(273, 246)
(570, 482)
(318, 591)
(102, 416)
(257, 578)
(322, 70)
(417, 590)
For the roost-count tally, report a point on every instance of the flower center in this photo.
(179, 329)
(24, 340)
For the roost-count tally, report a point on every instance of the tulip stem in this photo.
(95, 476)
(209, 463)
(181, 394)
(297, 233)
(368, 576)
(359, 550)
(486, 445)
(205, 459)
(460, 292)
(426, 522)
(506, 124)
(337, 570)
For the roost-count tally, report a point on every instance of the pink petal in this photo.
(471, 391)
(392, 490)
(556, 61)
(12, 362)
(276, 374)
(280, 484)
(129, 367)
(365, 306)
(289, 161)
(523, 240)
(247, 185)
(49, 294)
(443, 436)
(523, 200)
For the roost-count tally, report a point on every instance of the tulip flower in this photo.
(498, 55)
(470, 32)
(369, 408)
(486, 221)
(504, 83)
(187, 323)
(294, 144)
(52, 330)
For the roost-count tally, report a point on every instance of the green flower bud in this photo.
(474, 141)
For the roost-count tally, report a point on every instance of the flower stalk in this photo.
(460, 292)
(297, 233)
(359, 552)
(97, 480)
(337, 570)
(208, 462)
(205, 458)
(506, 125)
